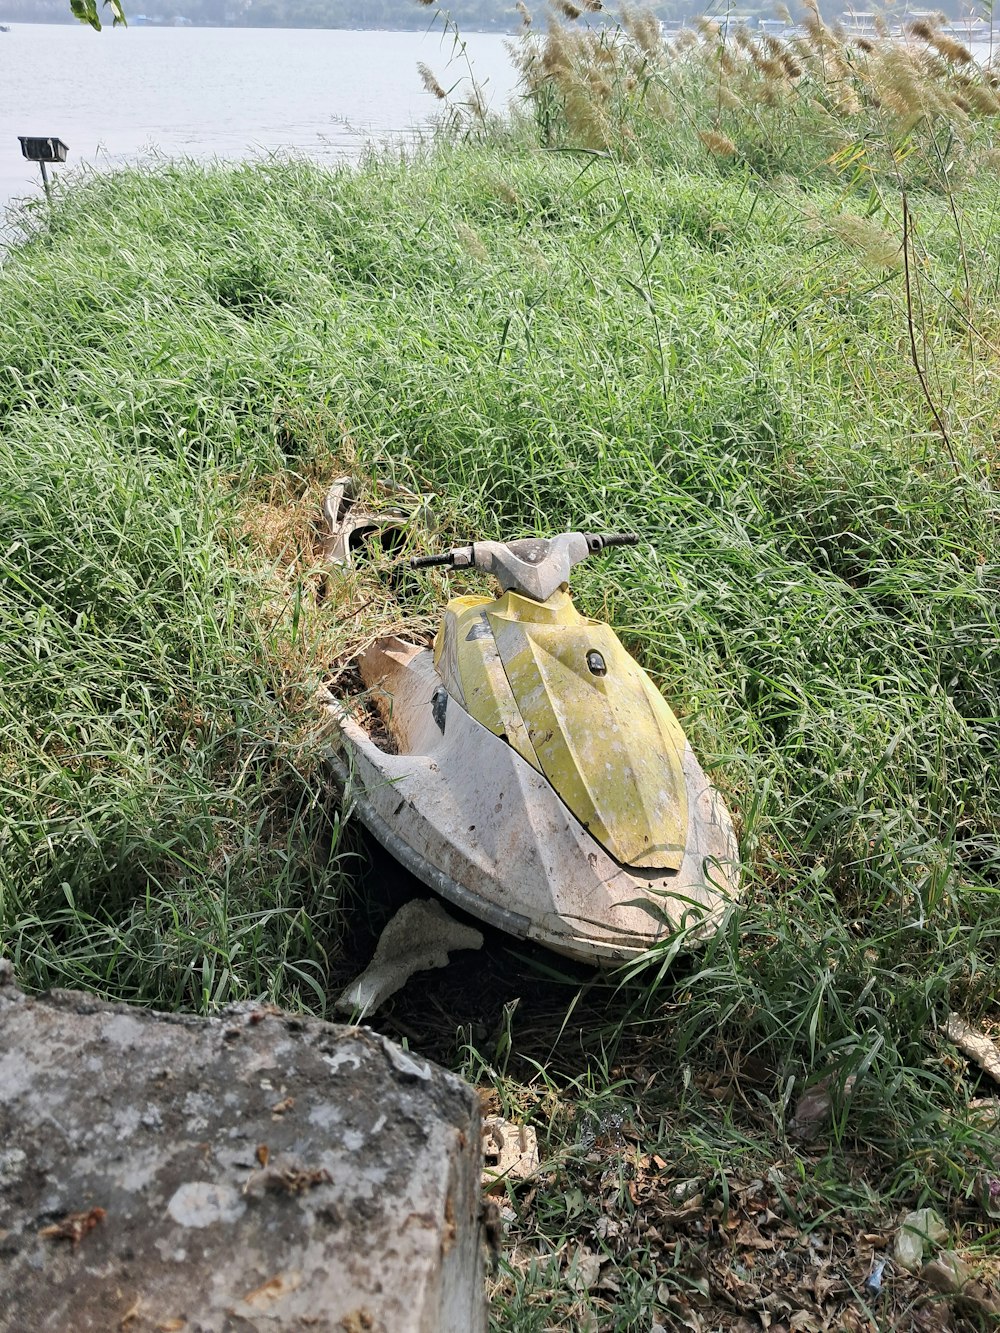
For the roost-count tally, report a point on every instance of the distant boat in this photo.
(973, 30)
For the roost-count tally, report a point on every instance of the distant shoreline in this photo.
(6, 24)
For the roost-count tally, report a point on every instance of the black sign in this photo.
(39, 148)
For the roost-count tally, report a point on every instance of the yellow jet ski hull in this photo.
(460, 789)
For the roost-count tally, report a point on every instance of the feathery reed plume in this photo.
(469, 240)
(922, 29)
(428, 80)
(952, 51)
(878, 249)
(982, 100)
(846, 100)
(570, 10)
(717, 144)
(523, 10)
(644, 29)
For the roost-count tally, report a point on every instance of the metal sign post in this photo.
(42, 149)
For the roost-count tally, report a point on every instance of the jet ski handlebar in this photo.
(425, 561)
(597, 541)
(532, 566)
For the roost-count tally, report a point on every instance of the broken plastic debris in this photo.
(419, 937)
(873, 1282)
(508, 1150)
(917, 1232)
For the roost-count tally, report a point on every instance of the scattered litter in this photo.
(873, 1282)
(917, 1232)
(418, 938)
(509, 1150)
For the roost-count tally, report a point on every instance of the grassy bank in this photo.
(634, 325)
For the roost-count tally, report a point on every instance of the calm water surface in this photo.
(230, 93)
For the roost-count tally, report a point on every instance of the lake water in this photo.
(222, 92)
(230, 93)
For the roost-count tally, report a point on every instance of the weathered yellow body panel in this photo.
(606, 741)
(467, 660)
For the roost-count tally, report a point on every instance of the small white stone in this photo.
(199, 1203)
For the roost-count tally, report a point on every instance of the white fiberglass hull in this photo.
(476, 823)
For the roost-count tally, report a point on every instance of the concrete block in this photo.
(254, 1171)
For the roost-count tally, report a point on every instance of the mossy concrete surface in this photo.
(251, 1171)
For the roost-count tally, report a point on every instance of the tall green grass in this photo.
(668, 340)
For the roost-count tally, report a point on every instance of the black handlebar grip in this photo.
(422, 561)
(603, 539)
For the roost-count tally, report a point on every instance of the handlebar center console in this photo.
(535, 567)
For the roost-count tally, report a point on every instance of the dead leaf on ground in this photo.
(273, 1289)
(814, 1107)
(358, 1321)
(749, 1237)
(294, 1179)
(131, 1313)
(74, 1226)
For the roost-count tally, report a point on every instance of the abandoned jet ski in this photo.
(528, 770)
